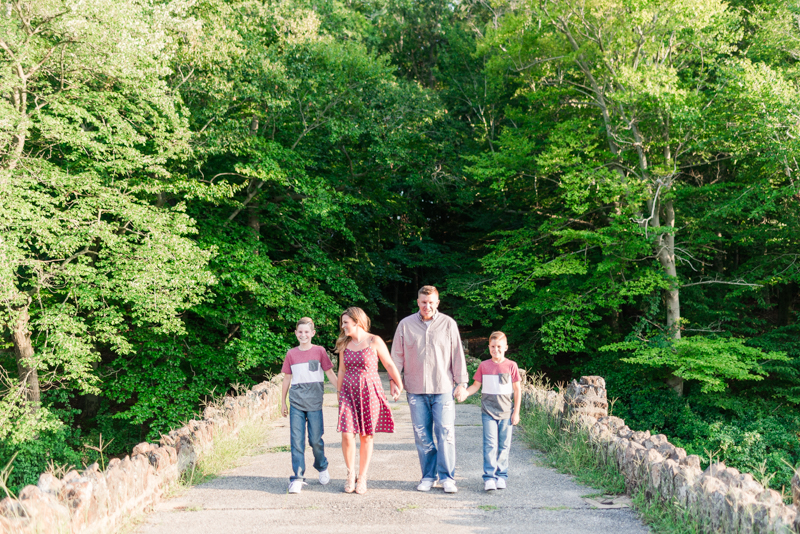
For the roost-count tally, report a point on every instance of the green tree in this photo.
(89, 127)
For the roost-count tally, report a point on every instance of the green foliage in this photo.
(713, 362)
(613, 184)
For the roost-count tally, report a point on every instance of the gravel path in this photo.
(253, 498)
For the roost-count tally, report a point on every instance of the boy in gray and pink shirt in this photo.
(499, 382)
(304, 371)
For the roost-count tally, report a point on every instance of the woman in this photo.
(363, 408)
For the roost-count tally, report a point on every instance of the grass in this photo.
(407, 507)
(227, 451)
(487, 507)
(669, 518)
(473, 399)
(569, 449)
(280, 448)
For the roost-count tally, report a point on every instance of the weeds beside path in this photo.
(569, 450)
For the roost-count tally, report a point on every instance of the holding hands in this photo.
(396, 389)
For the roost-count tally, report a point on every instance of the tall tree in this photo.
(89, 128)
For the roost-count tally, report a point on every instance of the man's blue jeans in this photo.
(496, 446)
(298, 419)
(434, 415)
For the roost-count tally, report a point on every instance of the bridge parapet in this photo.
(720, 498)
(96, 501)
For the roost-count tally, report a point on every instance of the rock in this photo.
(142, 448)
(78, 496)
(796, 490)
(71, 476)
(45, 512)
(711, 501)
(691, 461)
(770, 497)
(685, 482)
(50, 484)
(614, 423)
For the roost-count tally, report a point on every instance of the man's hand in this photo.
(460, 393)
(395, 389)
(515, 419)
(284, 410)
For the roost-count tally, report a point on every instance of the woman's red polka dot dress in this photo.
(362, 403)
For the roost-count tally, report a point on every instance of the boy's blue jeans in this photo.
(496, 446)
(434, 415)
(297, 424)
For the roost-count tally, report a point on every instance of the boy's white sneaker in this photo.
(490, 485)
(296, 486)
(425, 485)
(324, 477)
(501, 483)
(449, 486)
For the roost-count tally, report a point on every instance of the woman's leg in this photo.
(364, 457)
(349, 452)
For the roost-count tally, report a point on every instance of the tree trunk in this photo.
(26, 367)
(666, 256)
(253, 220)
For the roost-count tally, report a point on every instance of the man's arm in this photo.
(458, 363)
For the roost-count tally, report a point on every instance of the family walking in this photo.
(427, 360)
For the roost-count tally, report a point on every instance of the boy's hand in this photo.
(515, 419)
(284, 410)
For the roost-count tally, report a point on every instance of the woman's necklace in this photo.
(360, 342)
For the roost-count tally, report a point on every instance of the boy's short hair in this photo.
(427, 290)
(305, 320)
(498, 335)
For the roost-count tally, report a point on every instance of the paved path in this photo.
(253, 498)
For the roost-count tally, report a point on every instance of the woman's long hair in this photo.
(359, 317)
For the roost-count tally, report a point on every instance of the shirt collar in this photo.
(435, 315)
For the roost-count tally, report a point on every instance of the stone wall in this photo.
(719, 498)
(94, 501)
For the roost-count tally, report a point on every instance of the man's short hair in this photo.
(305, 320)
(498, 335)
(427, 290)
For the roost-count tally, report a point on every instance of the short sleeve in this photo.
(324, 360)
(479, 374)
(515, 377)
(286, 368)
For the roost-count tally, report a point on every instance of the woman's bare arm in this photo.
(382, 351)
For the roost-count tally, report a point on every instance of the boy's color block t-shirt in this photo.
(497, 394)
(307, 368)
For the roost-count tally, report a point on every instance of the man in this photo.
(427, 350)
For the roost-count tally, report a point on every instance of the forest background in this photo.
(614, 183)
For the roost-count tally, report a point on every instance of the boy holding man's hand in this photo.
(499, 380)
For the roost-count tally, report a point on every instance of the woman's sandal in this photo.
(361, 487)
(350, 484)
